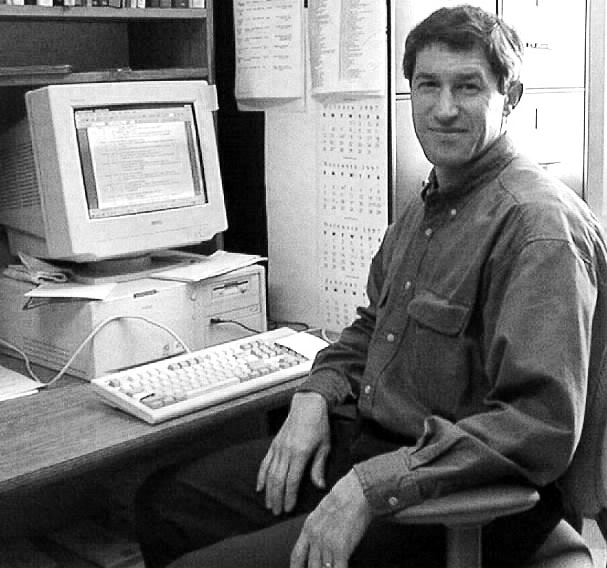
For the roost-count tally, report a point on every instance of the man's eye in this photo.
(468, 88)
(427, 85)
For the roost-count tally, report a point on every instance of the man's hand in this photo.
(303, 436)
(333, 530)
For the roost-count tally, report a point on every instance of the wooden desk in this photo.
(67, 430)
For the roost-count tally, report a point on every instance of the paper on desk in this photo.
(218, 263)
(304, 343)
(13, 384)
(72, 290)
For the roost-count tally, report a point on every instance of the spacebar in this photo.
(200, 391)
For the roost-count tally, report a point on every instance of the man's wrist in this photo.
(358, 493)
(309, 397)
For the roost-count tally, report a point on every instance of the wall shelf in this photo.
(101, 13)
(38, 76)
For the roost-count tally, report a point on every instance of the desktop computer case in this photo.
(52, 332)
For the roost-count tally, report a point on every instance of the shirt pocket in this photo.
(442, 358)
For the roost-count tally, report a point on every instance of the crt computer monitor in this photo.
(112, 171)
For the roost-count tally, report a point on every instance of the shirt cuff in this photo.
(388, 483)
(332, 386)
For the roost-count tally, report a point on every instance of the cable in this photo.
(84, 342)
(214, 321)
(273, 324)
(25, 360)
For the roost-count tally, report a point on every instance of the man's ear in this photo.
(513, 96)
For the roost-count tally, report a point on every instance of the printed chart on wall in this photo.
(352, 202)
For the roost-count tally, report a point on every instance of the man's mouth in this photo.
(447, 130)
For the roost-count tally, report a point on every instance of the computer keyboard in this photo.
(172, 387)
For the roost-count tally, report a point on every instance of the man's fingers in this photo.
(263, 470)
(275, 483)
(317, 471)
(294, 475)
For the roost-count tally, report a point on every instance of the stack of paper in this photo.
(13, 384)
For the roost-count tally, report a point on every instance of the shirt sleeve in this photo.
(536, 342)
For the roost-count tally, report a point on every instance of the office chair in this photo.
(584, 486)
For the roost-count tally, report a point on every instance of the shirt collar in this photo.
(478, 172)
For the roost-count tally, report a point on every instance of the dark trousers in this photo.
(208, 514)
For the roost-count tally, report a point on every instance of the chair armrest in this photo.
(471, 507)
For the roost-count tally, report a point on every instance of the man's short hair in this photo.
(463, 28)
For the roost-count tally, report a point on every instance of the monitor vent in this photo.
(18, 187)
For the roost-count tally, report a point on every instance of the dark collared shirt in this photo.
(476, 341)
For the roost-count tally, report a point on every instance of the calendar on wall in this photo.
(352, 202)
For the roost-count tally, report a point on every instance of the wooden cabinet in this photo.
(49, 45)
(43, 45)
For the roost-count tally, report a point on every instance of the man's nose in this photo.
(446, 107)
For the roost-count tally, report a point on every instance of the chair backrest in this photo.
(585, 482)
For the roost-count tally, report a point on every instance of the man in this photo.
(468, 366)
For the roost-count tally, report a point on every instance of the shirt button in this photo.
(407, 284)
(453, 212)
(367, 389)
(428, 232)
(393, 501)
(390, 338)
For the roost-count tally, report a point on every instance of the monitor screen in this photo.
(139, 158)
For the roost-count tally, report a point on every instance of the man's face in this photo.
(457, 108)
